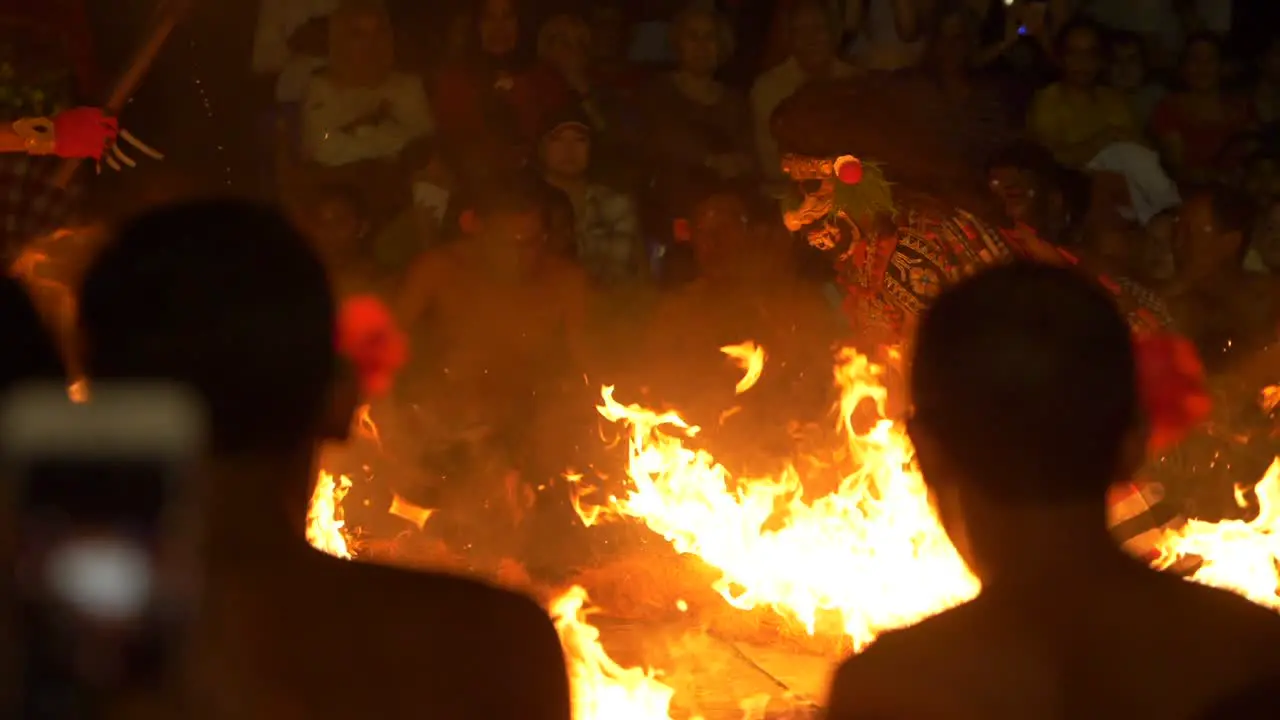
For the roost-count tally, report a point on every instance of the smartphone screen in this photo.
(101, 592)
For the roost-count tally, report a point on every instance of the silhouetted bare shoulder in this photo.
(439, 645)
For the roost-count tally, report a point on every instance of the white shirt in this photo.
(277, 21)
(878, 47)
(329, 108)
(768, 92)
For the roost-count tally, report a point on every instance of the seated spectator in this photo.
(814, 34)
(1266, 94)
(1196, 126)
(1225, 311)
(606, 230)
(478, 99)
(699, 130)
(565, 79)
(607, 20)
(290, 44)
(1026, 412)
(360, 108)
(230, 300)
(335, 222)
(1127, 72)
(1088, 126)
(888, 34)
(969, 112)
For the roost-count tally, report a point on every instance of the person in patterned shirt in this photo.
(606, 229)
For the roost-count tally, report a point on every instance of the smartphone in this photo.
(104, 536)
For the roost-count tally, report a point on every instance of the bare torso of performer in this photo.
(499, 321)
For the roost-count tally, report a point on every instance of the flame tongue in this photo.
(777, 549)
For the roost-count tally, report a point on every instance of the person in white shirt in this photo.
(360, 108)
(281, 47)
(813, 37)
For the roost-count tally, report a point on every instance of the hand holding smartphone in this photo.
(104, 504)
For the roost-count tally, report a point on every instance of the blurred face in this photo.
(1081, 57)
(336, 228)
(607, 28)
(1270, 64)
(1015, 188)
(719, 232)
(514, 241)
(953, 44)
(566, 152)
(813, 44)
(567, 48)
(361, 46)
(1202, 68)
(1200, 248)
(697, 45)
(1128, 69)
(1262, 181)
(499, 27)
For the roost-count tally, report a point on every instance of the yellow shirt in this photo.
(1063, 121)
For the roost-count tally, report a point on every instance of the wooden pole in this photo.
(127, 84)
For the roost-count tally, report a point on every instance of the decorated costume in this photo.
(895, 249)
(80, 133)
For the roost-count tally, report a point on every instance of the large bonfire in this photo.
(868, 557)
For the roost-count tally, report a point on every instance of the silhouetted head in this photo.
(30, 352)
(1023, 386)
(228, 298)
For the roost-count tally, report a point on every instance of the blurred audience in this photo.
(360, 108)
(1089, 126)
(813, 38)
(700, 134)
(31, 352)
(1128, 73)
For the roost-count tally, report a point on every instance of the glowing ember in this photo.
(870, 556)
(324, 515)
(1237, 555)
(601, 688)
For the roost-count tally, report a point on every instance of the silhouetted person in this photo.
(1025, 412)
(228, 298)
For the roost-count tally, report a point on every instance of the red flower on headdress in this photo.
(370, 339)
(83, 132)
(1171, 385)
